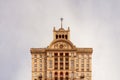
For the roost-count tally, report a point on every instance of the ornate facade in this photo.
(61, 60)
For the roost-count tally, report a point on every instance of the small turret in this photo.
(54, 29)
(61, 33)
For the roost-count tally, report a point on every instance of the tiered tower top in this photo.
(61, 33)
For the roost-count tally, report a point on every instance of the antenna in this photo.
(61, 21)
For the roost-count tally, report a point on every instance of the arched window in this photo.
(61, 73)
(62, 36)
(82, 76)
(66, 73)
(56, 73)
(66, 37)
(56, 36)
(59, 36)
(56, 76)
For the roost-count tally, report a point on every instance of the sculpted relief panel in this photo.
(61, 45)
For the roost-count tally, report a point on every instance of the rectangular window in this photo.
(56, 67)
(67, 59)
(61, 54)
(56, 54)
(61, 59)
(67, 54)
(56, 64)
(56, 59)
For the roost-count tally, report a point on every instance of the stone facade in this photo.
(61, 60)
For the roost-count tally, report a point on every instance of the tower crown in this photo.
(61, 33)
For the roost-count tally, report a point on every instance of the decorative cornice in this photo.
(61, 49)
(85, 50)
(78, 50)
(37, 50)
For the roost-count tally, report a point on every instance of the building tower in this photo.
(61, 60)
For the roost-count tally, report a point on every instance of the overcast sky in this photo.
(26, 24)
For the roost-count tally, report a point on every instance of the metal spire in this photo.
(61, 21)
